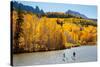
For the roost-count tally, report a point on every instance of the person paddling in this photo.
(64, 55)
(74, 54)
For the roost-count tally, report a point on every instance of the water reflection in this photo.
(78, 54)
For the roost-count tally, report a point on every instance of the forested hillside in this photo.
(50, 31)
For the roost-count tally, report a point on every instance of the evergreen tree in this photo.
(19, 30)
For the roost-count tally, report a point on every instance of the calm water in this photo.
(83, 53)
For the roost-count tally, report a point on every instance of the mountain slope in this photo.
(76, 14)
(17, 6)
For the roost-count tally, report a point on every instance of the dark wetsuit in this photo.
(74, 54)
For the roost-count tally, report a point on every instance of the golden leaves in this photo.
(47, 34)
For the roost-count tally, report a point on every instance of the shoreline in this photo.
(51, 50)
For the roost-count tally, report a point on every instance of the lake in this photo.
(82, 54)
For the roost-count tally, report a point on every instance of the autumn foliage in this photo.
(44, 33)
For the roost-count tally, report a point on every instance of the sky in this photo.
(88, 10)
